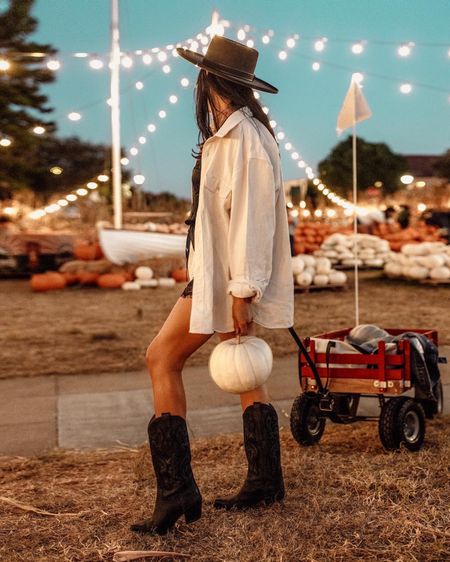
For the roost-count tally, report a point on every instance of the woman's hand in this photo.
(242, 315)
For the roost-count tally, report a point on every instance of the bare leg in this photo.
(259, 394)
(166, 356)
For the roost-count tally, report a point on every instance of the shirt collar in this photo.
(231, 121)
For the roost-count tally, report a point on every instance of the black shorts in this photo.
(187, 292)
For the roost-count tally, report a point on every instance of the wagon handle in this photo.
(310, 362)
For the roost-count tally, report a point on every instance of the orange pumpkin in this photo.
(180, 274)
(111, 280)
(86, 251)
(71, 278)
(50, 281)
(87, 278)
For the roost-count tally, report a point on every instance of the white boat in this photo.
(128, 246)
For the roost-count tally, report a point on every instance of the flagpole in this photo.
(115, 115)
(355, 218)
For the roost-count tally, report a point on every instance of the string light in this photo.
(406, 88)
(102, 177)
(92, 185)
(357, 48)
(139, 85)
(161, 56)
(290, 43)
(74, 116)
(134, 151)
(184, 82)
(166, 69)
(241, 35)
(319, 44)
(316, 66)
(173, 99)
(5, 142)
(142, 140)
(162, 114)
(405, 49)
(282, 55)
(139, 179)
(53, 65)
(38, 130)
(127, 62)
(147, 59)
(266, 39)
(150, 128)
(71, 197)
(96, 64)
(4, 65)
(82, 191)
(124, 161)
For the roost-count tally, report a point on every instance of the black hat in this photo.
(231, 60)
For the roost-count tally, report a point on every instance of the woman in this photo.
(239, 264)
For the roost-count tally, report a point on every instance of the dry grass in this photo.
(347, 500)
(79, 331)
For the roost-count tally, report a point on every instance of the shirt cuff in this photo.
(244, 289)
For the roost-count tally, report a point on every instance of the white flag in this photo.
(354, 109)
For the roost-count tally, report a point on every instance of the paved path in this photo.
(91, 411)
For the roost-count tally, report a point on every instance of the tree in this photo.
(375, 163)
(442, 166)
(22, 106)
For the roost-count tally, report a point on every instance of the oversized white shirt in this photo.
(241, 230)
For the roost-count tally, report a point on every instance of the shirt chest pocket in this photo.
(215, 184)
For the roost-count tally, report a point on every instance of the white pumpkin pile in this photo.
(340, 250)
(145, 279)
(309, 270)
(426, 260)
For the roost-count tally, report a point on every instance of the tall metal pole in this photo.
(115, 115)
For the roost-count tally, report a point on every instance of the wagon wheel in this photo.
(402, 422)
(434, 408)
(307, 426)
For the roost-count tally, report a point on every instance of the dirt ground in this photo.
(88, 330)
(347, 501)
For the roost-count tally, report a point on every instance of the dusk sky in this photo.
(308, 103)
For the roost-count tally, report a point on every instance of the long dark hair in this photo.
(239, 96)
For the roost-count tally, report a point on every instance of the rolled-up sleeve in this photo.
(251, 229)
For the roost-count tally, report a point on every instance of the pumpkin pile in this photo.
(428, 260)
(308, 237)
(398, 238)
(316, 272)
(340, 250)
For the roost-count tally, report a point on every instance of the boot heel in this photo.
(193, 513)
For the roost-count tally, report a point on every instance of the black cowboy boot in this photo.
(177, 491)
(264, 480)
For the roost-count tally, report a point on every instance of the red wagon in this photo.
(334, 381)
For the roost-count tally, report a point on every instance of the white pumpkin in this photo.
(298, 265)
(440, 273)
(304, 279)
(145, 283)
(323, 266)
(374, 262)
(337, 277)
(241, 367)
(309, 261)
(166, 282)
(320, 280)
(131, 286)
(144, 272)
(434, 261)
(393, 268)
(418, 272)
(310, 270)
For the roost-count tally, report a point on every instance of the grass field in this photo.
(347, 501)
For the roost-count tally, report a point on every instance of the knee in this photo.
(160, 359)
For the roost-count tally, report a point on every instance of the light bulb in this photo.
(147, 59)
(166, 69)
(288, 146)
(71, 197)
(316, 66)
(290, 43)
(133, 151)
(139, 85)
(92, 185)
(241, 35)
(151, 128)
(82, 191)
(96, 64)
(265, 39)
(127, 62)
(139, 179)
(301, 163)
(173, 99)
(5, 142)
(357, 48)
(316, 181)
(53, 65)
(273, 123)
(103, 177)
(282, 55)
(184, 82)
(63, 203)
(280, 135)
(162, 114)
(4, 65)
(74, 116)
(162, 56)
(295, 156)
(265, 109)
(124, 161)
(142, 140)
(406, 88)
(319, 45)
(38, 130)
(250, 43)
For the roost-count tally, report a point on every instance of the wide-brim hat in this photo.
(231, 60)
